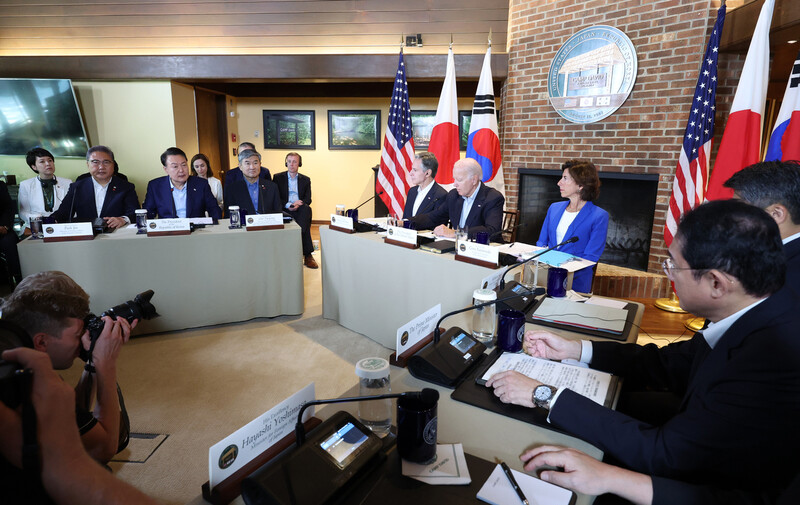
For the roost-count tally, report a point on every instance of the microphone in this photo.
(472, 307)
(379, 193)
(515, 265)
(427, 395)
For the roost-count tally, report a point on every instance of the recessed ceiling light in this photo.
(791, 42)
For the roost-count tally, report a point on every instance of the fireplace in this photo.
(629, 199)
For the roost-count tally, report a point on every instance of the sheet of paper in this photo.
(448, 468)
(592, 384)
(498, 491)
(516, 248)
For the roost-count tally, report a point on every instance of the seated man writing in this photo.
(103, 195)
(738, 380)
(470, 205)
(425, 196)
(254, 193)
(179, 194)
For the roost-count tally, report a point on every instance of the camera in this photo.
(138, 308)
(15, 383)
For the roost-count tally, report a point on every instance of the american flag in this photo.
(691, 176)
(398, 147)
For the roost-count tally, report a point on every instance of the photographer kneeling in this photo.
(52, 308)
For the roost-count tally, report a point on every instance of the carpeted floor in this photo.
(187, 390)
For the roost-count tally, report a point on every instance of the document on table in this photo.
(592, 384)
(581, 315)
(498, 491)
(449, 467)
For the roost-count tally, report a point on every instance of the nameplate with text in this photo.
(481, 252)
(263, 222)
(341, 222)
(420, 327)
(173, 226)
(400, 234)
(67, 231)
(242, 446)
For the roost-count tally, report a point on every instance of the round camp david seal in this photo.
(592, 74)
(429, 433)
(228, 456)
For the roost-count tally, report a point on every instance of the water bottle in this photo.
(373, 376)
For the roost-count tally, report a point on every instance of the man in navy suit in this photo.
(295, 191)
(775, 187)
(235, 174)
(738, 379)
(101, 195)
(254, 193)
(178, 194)
(425, 195)
(471, 205)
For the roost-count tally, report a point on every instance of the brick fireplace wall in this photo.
(642, 136)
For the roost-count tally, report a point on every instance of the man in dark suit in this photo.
(425, 195)
(739, 379)
(178, 194)
(775, 187)
(253, 193)
(471, 205)
(8, 237)
(101, 195)
(295, 191)
(235, 174)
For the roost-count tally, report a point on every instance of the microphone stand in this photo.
(515, 265)
(427, 394)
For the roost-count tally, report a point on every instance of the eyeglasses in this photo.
(668, 265)
(105, 163)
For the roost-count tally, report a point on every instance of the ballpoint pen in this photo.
(513, 481)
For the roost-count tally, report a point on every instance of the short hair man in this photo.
(254, 193)
(178, 194)
(44, 193)
(103, 195)
(425, 195)
(739, 379)
(470, 205)
(775, 187)
(235, 174)
(51, 308)
(295, 193)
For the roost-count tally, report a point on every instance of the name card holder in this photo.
(66, 232)
(477, 254)
(342, 224)
(257, 222)
(167, 227)
(230, 488)
(402, 237)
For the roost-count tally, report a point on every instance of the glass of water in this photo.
(234, 216)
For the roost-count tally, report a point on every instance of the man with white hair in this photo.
(470, 205)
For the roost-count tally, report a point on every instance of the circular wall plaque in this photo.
(592, 74)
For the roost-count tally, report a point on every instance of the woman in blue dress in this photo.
(577, 217)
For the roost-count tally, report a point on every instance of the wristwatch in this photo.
(542, 395)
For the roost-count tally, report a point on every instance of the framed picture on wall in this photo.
(422, 123)
(464, 119)
(289, 129)
(354, 129)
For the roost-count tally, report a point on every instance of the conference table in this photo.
(214, 275)
(374, 288)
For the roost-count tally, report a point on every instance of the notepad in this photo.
(581, 315)
(498, 491)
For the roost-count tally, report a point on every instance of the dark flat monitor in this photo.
(43, 113)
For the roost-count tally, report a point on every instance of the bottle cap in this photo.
(484, 295)
(372, 368)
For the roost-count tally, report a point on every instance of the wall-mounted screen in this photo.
(40, 112)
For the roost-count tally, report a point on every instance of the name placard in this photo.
(255, 222)
(239, 448)
(400, 234)
(342, 222)
(67, 231)
(420, 327)
(173, 226)
(481, 252)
